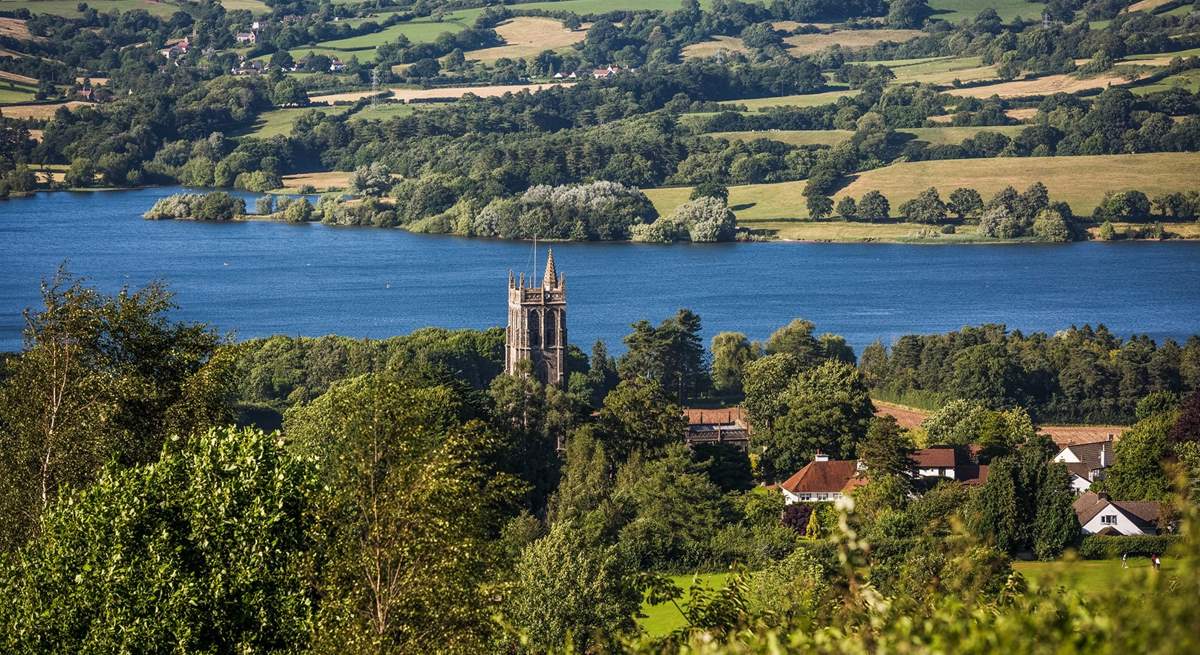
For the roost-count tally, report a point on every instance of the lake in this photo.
(260, 278)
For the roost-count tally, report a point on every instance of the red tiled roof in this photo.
(822, 477)
(971, 474)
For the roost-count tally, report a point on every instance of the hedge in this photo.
(1111, 547)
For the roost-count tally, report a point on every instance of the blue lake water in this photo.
(261, 278)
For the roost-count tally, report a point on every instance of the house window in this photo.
(1110, 519)
(805, 496)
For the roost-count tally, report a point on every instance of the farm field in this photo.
(661, 619)
(13, 94)
(280, 121)
(1041, 86)
(39, 111)
(321, 180)
(386, 110)
(936, 135)
(1063, 435)
(806, 44)
(526, 36)
(1187, 80)
(1146, 5)
(713, 46)
(15, 28)
(958, 10)
(1152, 173)
(804, 100)
(443, 92)
(944, 71)
(70, 8)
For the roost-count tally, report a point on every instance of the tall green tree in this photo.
(101, 378)
(671, 354)
(731, 351)
(409, 518)
(1137, 471)
(639, 416)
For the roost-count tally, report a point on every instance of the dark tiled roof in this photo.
(1144, 514)
(971, 474)
(822, 477)
(1089, 453)
(937, 457)
(713, 416)
(1082, 470)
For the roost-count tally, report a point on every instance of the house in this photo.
(336, 65)
(176, 48)
(726, 425)
(822, 479)
(605, 73)
(950, 462)
(246, 37)
(1098, 514)
(1086, 462)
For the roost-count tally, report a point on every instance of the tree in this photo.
(874, 207)
(1055, 523)
(764, 381)
(847, 208)
(1051, 226)
(82, 173)
(639, 416)
(796, 338)
(289, 92)
(710, 190)
(927, 208)
(573, 593)
(1137, 470)
(204, 550)
(532, 419)
(373, 180)
(408, 489)
(987, 373)
(819, 207)
(731, 351)
(602, 373)
(1187, 427)
(827, 408)
(100, 379)
(886, 449)
(298, 211)
(671, 354)
(965, 203)
(965, 422)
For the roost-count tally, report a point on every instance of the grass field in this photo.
(806, 100)
(943, 70)
(713, 46)
(770, 206)
(1146, 5)
(444, 92)
(959, 10)
(39, 111)
(807, 44)
(526, 36)
(322, 181)
(69, 8)
(280, 121)
(935, 135)
(1187, 80)
(14, 93)
(1088, 576)
(662, 619)
(386, 110)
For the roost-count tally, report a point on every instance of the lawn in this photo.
(69, 8)
(1087, 576)
(934, 135)
(280, 121)
(1080, 181)
(662, 619)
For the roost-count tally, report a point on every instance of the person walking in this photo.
(1124, 560)
(1157, 562)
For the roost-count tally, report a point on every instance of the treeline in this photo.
(1079, 375)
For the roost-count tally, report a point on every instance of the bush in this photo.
(1096, 546)
(218, 206)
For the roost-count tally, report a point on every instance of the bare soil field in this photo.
(15, 28)
(526, 36)
(1022, 114)
(21, 79)
(447, 92)
(713, 46)
(39, 111)
(805, 44)
(322, 180)
(1041, 86)
(1063, 435)
(96, 81)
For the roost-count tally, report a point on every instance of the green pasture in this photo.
(659, 620)
(280, 121)
(934, 135)
(70, 8)
(959, 10)
(804, 100)
(1187, 80)
(385, 110)
(14, 93)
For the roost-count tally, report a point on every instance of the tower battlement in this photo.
(537, 325)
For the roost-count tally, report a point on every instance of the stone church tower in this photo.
(537, 325)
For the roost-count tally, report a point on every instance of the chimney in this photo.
(820, 457)
(1103, 455)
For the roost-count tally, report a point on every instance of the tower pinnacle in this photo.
(550, 280)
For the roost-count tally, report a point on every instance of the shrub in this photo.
(1096, 546)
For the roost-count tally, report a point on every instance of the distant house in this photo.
(1098, 514)
(726, 425)
(176, 48)
(246, 37)
(336, 65)
(822, 479)
(605, 73)
(950, 462)
(1086, 462)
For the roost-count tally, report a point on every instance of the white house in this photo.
(822, 479)
(949, 462)
(1086, 462)
(1098, 514)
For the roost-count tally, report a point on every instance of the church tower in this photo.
(537, 325)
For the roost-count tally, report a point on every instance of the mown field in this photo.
(70, 8)
(662, 619)
(959, 10)
(526, 36)
(807, 44)
(1187, 80)
(805, 100)
(939, 70)
(935, 135)
(1080, 181)
(280, 121)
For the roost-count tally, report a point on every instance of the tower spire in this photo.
(551, 278)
